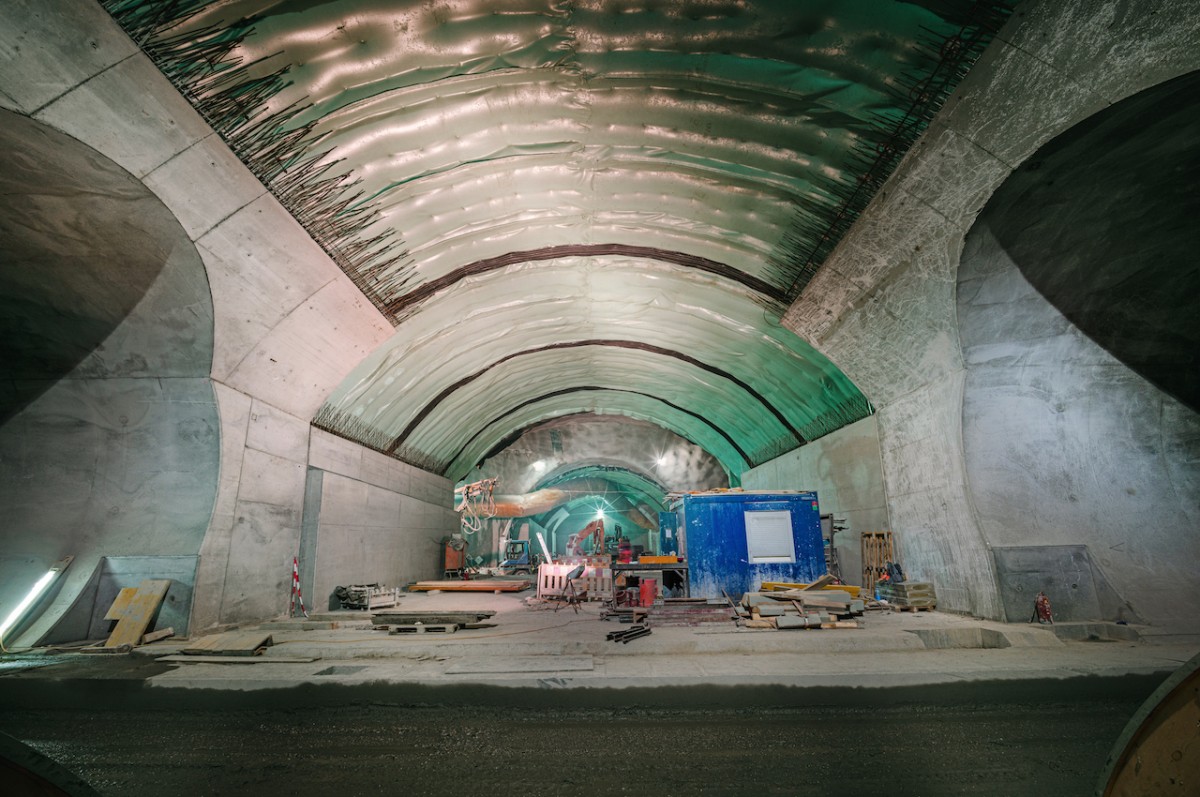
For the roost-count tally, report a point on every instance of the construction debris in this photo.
(908, 595)
(799, 608)
(448, 622)
(367, 596)
(632, 633)
(491, 585)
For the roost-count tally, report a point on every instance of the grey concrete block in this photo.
(204, 184)
(335, 455)
(275, 432)
(131, 114)
(271, 480)
(298, 362)
(49, 48)
(791, 621)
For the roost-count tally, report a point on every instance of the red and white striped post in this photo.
(296, 598)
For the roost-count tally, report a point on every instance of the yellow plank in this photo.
(117, 610)
(778, 586)
(139, 613)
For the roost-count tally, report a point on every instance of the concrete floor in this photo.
(711, 706)
(534, 646)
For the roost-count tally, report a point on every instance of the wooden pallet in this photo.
(878, 548)
(469, 586)
(897, 608)
(419, 628)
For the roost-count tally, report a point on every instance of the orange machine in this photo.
(594, 530)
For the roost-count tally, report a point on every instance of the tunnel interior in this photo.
(605, 252)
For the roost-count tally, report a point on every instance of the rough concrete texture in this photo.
(557, 447)
(846, 472)
(1094, 453)
(883, 305)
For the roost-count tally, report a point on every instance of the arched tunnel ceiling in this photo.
(570, 205)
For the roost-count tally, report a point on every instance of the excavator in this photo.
(593, 530)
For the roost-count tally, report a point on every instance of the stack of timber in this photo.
(798, 608)
(449, 622)
(909, 596)
(472, 585)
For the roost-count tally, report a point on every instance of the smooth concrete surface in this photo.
(107, 345)
(383, 524)
(288, 326)
(845, 469)
(883, 305)
(528, 645)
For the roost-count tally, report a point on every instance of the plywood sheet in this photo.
(231, 643)
(138, 613)
(121, 603)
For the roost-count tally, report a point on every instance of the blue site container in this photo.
(736, 541)
(668, 533)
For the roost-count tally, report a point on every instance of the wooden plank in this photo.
(403, 618)
(138, 613)
(469, 586)
(784, 586)
(758, 623)
(820, 582)
(154, 636)
(117, 610)
(238, 659)
(231, 643)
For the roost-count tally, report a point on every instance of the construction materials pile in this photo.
(908, 595)
(816, 605)
(433, 622)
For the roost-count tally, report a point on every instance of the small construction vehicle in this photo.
(519, 559)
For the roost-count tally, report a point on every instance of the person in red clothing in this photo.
(624, 551)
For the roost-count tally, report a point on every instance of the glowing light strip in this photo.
(38, 588)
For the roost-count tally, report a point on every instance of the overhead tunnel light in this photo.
(40, 587)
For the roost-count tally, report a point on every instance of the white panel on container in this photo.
(769, 537)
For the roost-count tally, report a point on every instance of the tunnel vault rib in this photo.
(610, 343)
(408, 301)
(582, 389)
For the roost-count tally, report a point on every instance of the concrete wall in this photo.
(1066, 445)
(380, 520)
(844, 469)
(107, 342)
(883, 306)
(287, 325)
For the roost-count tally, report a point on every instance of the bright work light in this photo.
(34, 594)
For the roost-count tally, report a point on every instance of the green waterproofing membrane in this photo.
(492, 342)
(500, 176)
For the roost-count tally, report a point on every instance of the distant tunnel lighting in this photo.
(34, 594)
